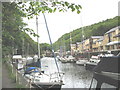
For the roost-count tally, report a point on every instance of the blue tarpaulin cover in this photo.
(30, 68)
(35, 64)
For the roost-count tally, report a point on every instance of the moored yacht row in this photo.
(66, 59)
(39, 78)
(88, 63)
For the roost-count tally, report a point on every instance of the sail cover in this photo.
(108, 64)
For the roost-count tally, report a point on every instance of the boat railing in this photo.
(56, 76)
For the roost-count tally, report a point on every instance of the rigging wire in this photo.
(70, 43)
(38, 46)
(82, 32)
(51, 45)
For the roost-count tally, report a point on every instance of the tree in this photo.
(13, 26)
(13, 30)
(34, 8)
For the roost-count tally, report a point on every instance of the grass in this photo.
(19, 85)
(12, 76)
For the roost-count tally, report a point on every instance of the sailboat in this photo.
(29, 59)
(63, 52)
(70, 58)
(82, 61)
(38, 78)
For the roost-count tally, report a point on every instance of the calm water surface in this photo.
(75, 76)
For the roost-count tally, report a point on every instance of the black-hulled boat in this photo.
(107, 71)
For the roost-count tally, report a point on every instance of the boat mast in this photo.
(82, 38)
(37, 37)
(70, 44)
(82, 32)
(23, 47)
(27, 49)
(64, 47)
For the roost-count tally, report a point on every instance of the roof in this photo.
(80, 42)
(113, 43)
(101, 39)
(118, 35)
(96, 36)
(113, 29)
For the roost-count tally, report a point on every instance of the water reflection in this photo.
(75, 76)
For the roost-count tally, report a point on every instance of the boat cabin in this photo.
(17, 61)
(107, 72)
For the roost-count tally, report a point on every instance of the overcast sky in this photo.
(59, 23)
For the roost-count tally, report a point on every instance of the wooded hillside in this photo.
(97, 29)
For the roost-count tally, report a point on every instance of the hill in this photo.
(97, 29)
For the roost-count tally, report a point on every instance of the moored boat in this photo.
(63, 60)
(81, 61)
(107, 72)
(70, 59)
(38, 78)
(94, 60)
(17, 61)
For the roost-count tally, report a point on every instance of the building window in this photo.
(109, 37)
(101, 47)
(118, 46)
(107, 47)
(112, 47)
(115, 46)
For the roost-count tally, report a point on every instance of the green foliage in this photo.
(20, 85)
(35, 8)
(97, 29)
(44, 47)
(12, 76)
(14, 36)
(13, 31)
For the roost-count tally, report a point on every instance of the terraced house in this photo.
(79, 47)
(73, 48)
(94, 43)
(110, 41)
